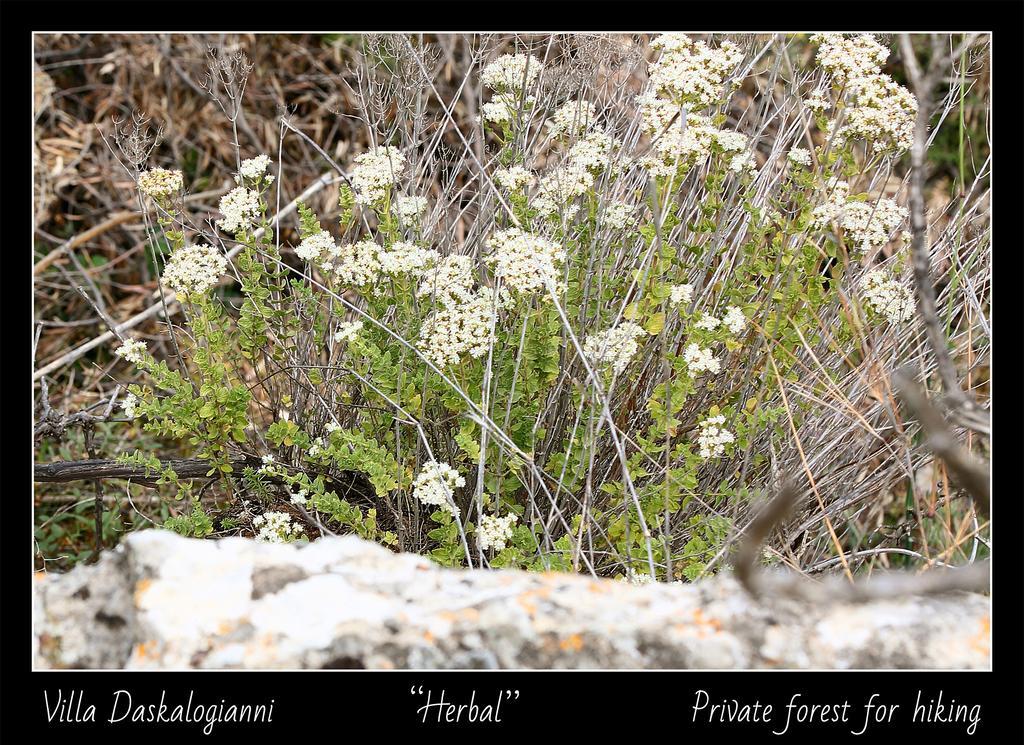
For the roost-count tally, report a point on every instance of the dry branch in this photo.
(84, 470)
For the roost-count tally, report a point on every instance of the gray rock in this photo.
(162, 601)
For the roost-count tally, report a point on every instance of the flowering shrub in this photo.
(582, 345)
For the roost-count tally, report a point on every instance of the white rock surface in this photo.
(162, 601)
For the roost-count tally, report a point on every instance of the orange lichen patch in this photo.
(467, 615)
(572, 643)
(428, 637)
(601, 587)
(702, 626)
(700, 620)
(982, 641)
(145, 650)
(527, 603)
(225, 627)
(140, 589)
(39, 576)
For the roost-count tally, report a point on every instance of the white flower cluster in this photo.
(193, 270)
(883, 114)
(799, 156)
(525, 262)
(409, 209)
(406, 258)
(571, 118)
(743, 163)
(619, 215)
(374, 173)
(129, 404)
(241, 210)
(450, 282)
(849, 58)
(734, 320)
(888, 298)
(347, 330)
(132, 350)
(514, 178)
(435, 485)
(160, 184)
(313, 247)
(614, 347)
(252, 170)
(870, 226)
(508, 76)
(276, 527)
(300, 498)
(504, 108)
(690, 73)
(355, 264)
(712, 437)
(817, 102)
(681, 294)
(495, 532)
(882, 111)
(458, 329)
(684, 144)
(511, 72)
(316, 448)
(267, 467)
(574, 175)
(700, 360)
(708, 322)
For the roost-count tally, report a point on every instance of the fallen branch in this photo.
(85, 470)
(881, 586)
(78, 240)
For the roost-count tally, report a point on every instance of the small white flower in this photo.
(615, 347)
(314, 247)
(160, 184)
(241, 210)
(252, 169)
(459, 329)
(708, 322)
(619, 215)
(525, 262)
(799, 156)
(494, 532)
(375, 172)
(634, 577)
(743, 163)
(734, 320)
(407, 258)
(513, 178)
(347, 330)
(276, 527)
(194, 270)
(571, 118)
(511, 72)
(681, 294)
(435, 485)
(700, 360)
(129, 404)
(409, 209)
(132, 350)
(712, 437)
(888, 298)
